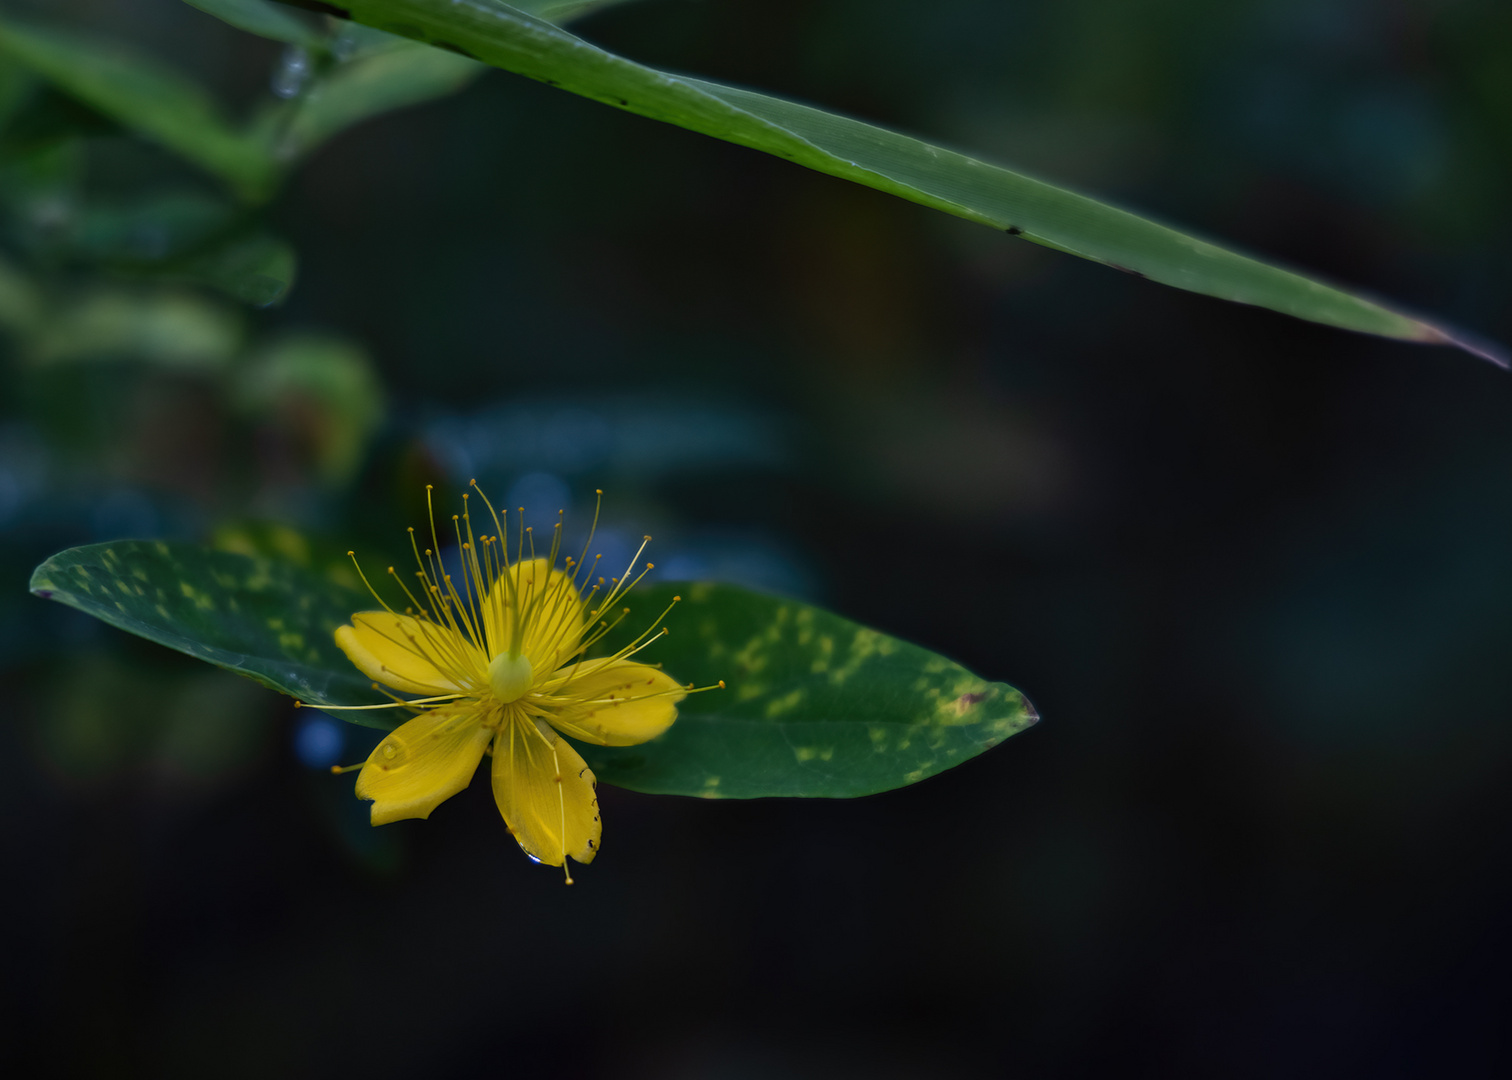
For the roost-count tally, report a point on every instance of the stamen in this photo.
(353, 556)
(598, 502)
(397, 703)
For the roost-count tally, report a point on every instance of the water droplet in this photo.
(292, 73)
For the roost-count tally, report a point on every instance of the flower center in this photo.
(509, 677)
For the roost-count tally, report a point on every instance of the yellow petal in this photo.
(424, 762)
(614, 703)
(551, 610)
(545, 791)
(406, 654)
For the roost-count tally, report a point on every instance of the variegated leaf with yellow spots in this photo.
(266, 618)
(813, 705)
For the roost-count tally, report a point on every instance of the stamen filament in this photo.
(395, 704)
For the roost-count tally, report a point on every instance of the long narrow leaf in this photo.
(513, 40)
(263, 18)
(564, 11)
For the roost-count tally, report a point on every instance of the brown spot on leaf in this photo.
(966, 701)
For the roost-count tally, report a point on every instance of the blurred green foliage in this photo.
(134, 265)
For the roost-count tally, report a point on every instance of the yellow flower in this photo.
(497, 663)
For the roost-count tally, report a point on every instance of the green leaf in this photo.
(148, 98)
(564, 11)
(255, 267)
(265, 19)
(264, 618)
(164, 225)
(814, 705)
(325, 389)
(174, 236)
(376, 80)
(15, 86)
(165, 328)
(20, 300)
(513, 40)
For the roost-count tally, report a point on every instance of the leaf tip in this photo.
(1031, 714)
(1470, 343)
(41, 583)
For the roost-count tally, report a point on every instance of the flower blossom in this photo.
(498, 665)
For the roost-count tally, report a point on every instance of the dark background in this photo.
(1253, 573)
